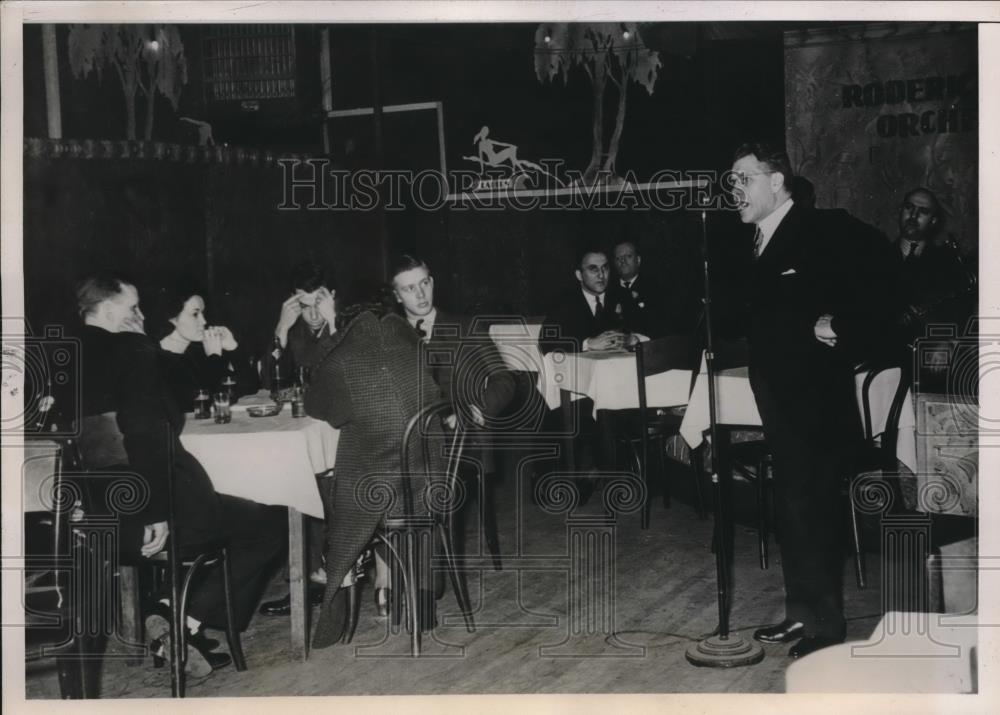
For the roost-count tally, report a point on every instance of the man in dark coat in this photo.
(304, 323)
(645, 306)
(119, 375)
(936, 288)
(368, 385)
(589, 317)
(592, 318)
(304, 329)
(813, 309)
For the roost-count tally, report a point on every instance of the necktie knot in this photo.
(419, 328)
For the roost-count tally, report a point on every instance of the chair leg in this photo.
(72, 672)
(490, 530)
(413, 596)
(859, 557)
(762, 534)
(661, 460)
(458, 581)
(232, 632)
(398, 588)
(352, 612)
(178, 641)
(698, 467)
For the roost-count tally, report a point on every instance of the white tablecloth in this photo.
(609, 379)
(735, 404)
(38, 475)
(269, 460)
(518, 345)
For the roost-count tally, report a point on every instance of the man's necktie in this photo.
(598, 307)
(420, 331)
(758, 241)
(911, 253)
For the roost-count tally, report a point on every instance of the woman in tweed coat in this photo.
(369, 384)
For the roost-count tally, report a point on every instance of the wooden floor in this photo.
(664, 599)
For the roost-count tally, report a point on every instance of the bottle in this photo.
(298, 402)
(276, 378)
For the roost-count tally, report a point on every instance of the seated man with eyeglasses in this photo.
(936, 286)
(592, 318)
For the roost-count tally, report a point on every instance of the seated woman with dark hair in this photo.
(196, 356)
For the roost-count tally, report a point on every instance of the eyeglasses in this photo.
(741, 178)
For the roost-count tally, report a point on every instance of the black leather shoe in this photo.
(811, 644)
(780, 633)
(200, 661)
(283, 606)
(201, 641)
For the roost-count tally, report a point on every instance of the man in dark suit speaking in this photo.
(811, 319)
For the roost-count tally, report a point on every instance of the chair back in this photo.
(456, 444)
(101, 443)
(891, 430)
(730, 354)
(673, 352)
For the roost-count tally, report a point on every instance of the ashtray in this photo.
(263, 410)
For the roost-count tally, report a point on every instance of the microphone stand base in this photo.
(730, 652)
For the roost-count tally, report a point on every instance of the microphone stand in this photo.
(723, 649)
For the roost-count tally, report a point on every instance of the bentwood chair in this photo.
(751, 458)
(653, 357)
(877, 457)
(102, 450)
(409, 538)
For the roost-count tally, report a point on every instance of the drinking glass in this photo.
(202, 405)
(222, 412)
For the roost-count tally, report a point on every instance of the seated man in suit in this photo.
(935, 287)
(120, 374)
(303, 323)
(465, 365)
(638, 295)
(654, 308)
(591, 318)
(304, 329)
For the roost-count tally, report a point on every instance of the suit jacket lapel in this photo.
(784, 241)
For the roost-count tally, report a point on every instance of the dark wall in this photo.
(523, 262)
(218, 223)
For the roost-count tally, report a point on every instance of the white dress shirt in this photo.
(428, 322)
(769, 224)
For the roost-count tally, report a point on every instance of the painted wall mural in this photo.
(875, 110)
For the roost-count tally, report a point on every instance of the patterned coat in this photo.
(368, 385)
